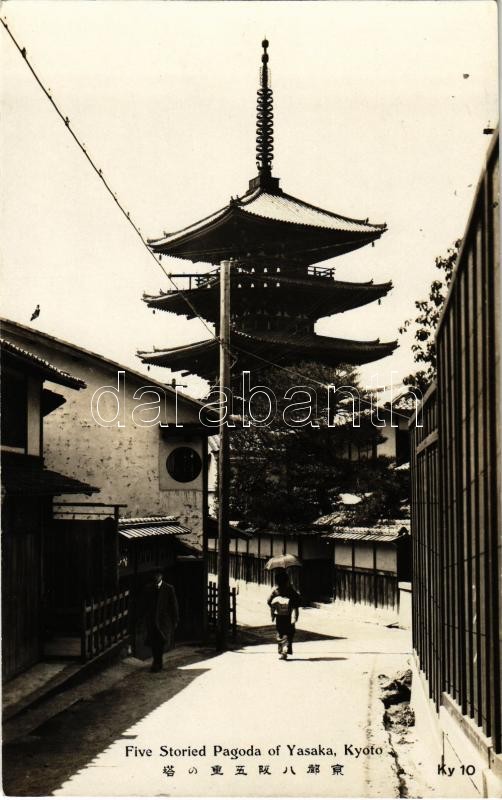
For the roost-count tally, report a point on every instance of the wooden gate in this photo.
(212, 607)
(104, 624)
(22, 527)
(20, 601)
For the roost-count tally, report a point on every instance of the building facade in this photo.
(149, 470)
(53, 564)
(155, 475)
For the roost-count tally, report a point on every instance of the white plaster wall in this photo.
(278, 545)
(343, 554)
(253, 546)
(292, 546)
(265, 546)
(386, 558)
(363, 556)
(122, 462)
(387, 448)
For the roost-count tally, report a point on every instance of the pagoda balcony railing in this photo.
(195, 279)
(208, 279)
(321, 272)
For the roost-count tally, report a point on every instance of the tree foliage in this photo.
(426, 321)
(293, 475)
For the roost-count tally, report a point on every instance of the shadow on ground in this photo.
(41, 762)
(322, 658)
(265, 634)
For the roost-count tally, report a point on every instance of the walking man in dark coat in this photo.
(162, 617)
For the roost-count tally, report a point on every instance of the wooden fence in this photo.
(244, 567)
(212, 607)
(314, 580)
(377, 589)
(426, 544)
(104, 623)
(456, 487)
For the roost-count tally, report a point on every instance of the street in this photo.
(249, 723)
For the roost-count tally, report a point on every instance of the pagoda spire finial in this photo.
(265, 128)
(264, 119)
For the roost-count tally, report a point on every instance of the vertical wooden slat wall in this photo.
(456, 482)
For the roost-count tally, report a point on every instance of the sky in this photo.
(379, 113)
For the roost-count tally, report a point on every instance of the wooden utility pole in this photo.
(224, 463)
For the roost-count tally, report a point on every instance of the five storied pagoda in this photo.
(276, 294)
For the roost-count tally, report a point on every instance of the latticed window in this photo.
(184, 464)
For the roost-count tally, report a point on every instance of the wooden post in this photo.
(234, 613)
(223, 464)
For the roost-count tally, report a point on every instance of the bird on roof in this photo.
(35, 314)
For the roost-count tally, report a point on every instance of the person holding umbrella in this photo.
(284, 603)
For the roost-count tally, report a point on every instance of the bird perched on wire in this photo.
(35, 314)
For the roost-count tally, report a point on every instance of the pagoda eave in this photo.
(268, 227)
(315, 297)
(275, 242)
(253, 350)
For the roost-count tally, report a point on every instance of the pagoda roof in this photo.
(268, 224)
(252, 348)
(315, 296)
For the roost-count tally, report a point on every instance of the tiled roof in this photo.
(16, 329)
(385, 531)
(291, 531)
(287, 529)
(313, 340)
(140, 527)
(405, 401)
(129, 521)
(202, 357)
(26, 476)
(285, 208)
(279, 208)
(201, 223)
(331, 296)
(268, 225)
(298, 341)
(273, 279)
(48, 371)
(233, 529)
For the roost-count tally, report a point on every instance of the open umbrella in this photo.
(283, 562)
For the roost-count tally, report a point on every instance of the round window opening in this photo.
(184, 464)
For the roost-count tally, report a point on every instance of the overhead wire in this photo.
(298, 374)
(277, 278)
(127, 216)
(99, 173)
(323, 385)
(304, 337)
